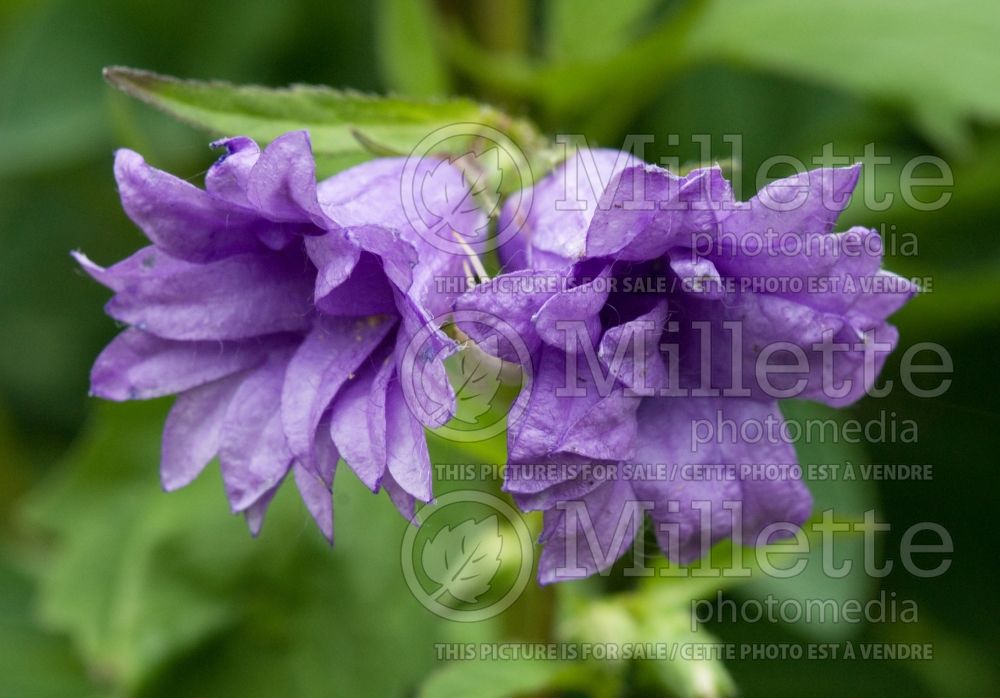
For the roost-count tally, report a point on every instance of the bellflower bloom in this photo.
(277, 310)
(664, 320)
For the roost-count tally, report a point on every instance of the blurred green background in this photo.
(109, 587)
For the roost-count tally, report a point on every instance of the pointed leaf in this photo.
(332, 117)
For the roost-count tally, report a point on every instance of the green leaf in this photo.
(113, 582)
(334, 118)
(33, 662)
(170, 595)
(408, 54)
(914, 52)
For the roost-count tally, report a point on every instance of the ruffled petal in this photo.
(234, 298)
(192, 434)
(806, 203)
(421, 349)
(365, 292)
(358, 421)
(317, 497)
(573, 316)
(138, 366)
(591, 536)
(329, 356)
(282, 184)
(407, 457)
(696, 447)
(698, 276)
(502, 309)
(253, 452)
(562, 206)
(227, 178)
(647, 210)
(631, 351)
(595, 421)
(178, 217)
(334, 255)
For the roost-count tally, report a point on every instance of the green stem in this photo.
(532, 617)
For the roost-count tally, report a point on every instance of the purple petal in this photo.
(404, 502)
(535, 486)
(227, 177)
(365, 292)
(317, 498)
(367, 194)
(253, 453)
(254, 514)
(692, 434)
(562, 206)
(408, 459)
(595, 539)
(604, 432)
(358, 421)
(325, 456)
(328, 357)
(573, 316)
(698, 276)
(554, 421)
(234, 298)
(807, 203)
(334, 256)
(643, 373)
(137, 365)
(179, 218)
(398, 256)
(502, 308)
(648, 210)
(421, 348)
(282, 183)
(368, 202)
(193, 431)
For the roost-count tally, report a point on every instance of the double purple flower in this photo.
(656, 316)
(651, 305)
(278, 310)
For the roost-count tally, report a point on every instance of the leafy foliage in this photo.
(140, 580)
(344, 126)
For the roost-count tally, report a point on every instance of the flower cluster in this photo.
(280, 311)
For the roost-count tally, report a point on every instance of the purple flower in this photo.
(277, 309)
(664, 320)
